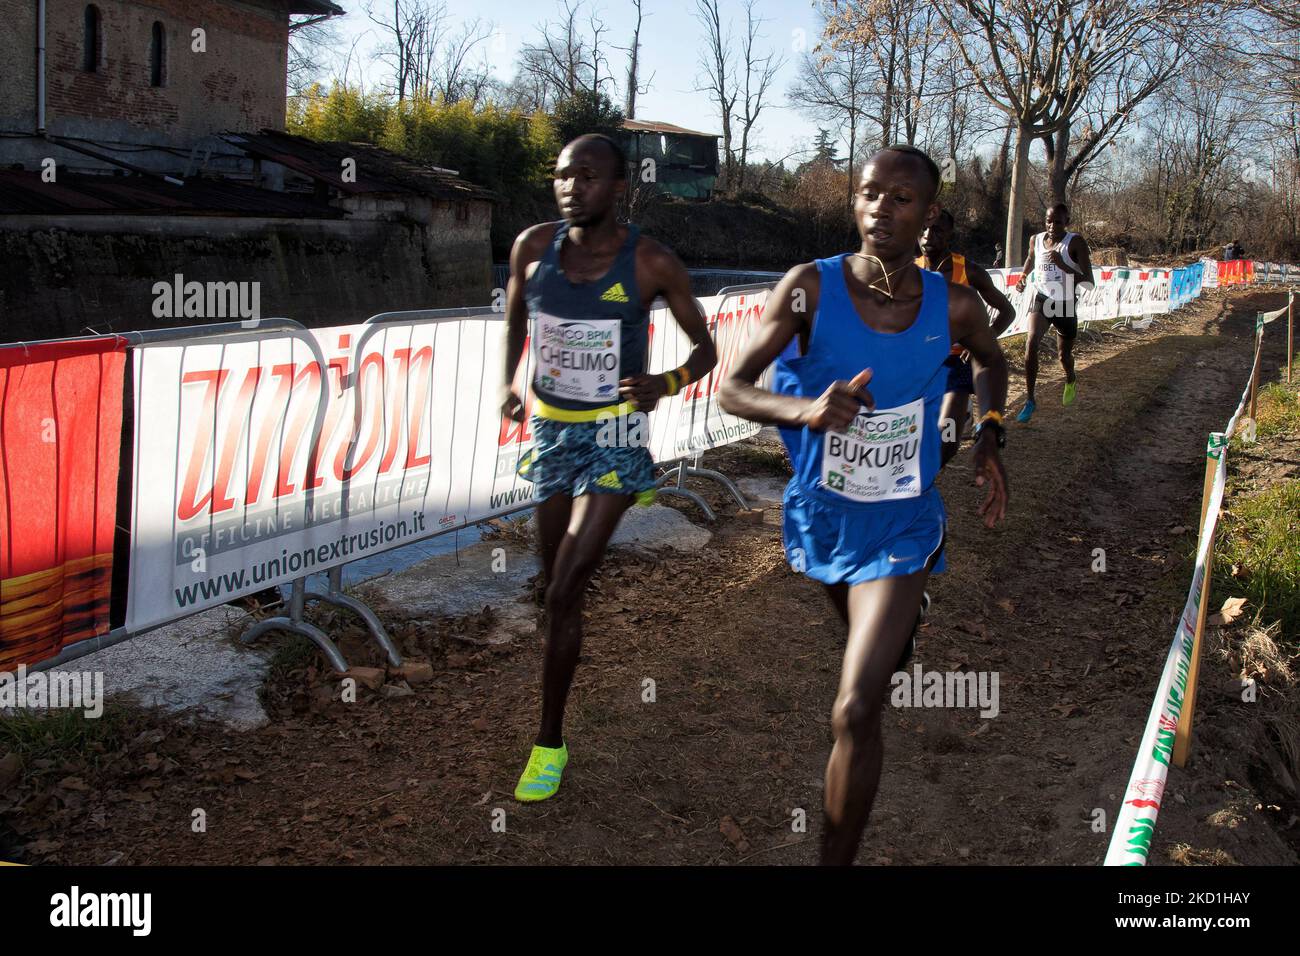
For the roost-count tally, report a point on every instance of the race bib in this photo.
(577, 358)
(1051, 278)
(879, 457)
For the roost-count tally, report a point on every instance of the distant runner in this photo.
(1060, 263)
(957, 269)
(585, 285)
(857, 401)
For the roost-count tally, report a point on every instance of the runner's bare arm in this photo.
(1081, 254)
(968, 324)
(789, 310)
(528, 249)
(1028, 268)
(659, 270)
(981, 282)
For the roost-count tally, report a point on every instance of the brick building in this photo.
(142, 73)
(142, 138)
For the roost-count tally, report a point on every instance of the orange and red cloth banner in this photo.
(60, 437)
(1236, 271)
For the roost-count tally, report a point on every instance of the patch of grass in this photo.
(62, 734)
(292, 651)
(1260, 535)
(1278, 411)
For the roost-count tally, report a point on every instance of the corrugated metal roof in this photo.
(377, 170)
(653, 126)
(24, 193)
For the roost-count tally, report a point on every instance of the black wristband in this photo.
(1000, 433)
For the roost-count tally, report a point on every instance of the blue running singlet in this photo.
(862, 504)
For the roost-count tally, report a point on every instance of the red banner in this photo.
(60, 435)
(1236, 271)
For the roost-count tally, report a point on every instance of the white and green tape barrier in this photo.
(1130, 842)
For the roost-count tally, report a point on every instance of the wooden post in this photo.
(1254, 368)
(1214, 451)
(1290, 331)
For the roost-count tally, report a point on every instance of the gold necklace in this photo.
(888, 291)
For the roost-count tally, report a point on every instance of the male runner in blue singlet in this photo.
(859, 409)
(585, 285)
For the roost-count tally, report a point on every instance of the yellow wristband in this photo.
(671, 379)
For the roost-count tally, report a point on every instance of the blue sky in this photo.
(671, 40)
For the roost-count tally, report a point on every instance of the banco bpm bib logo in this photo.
(887, 425)
(578, 337)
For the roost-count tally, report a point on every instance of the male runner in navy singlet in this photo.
(585, 285)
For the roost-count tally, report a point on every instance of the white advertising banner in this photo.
(234, 493)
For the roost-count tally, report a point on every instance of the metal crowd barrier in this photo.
(225, 332)
(672, 482)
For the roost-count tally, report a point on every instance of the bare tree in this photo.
(1153, 57)
(410, 29)
(1196, 133)
(567, 58)
(457, 77)
(1038, 61)
(717, 79)
(634, 87)
(832, 84)
(312, 42)
(900, 37)
(758, 74)
(529, 90)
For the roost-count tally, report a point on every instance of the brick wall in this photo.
(17, 65)
(237, 83)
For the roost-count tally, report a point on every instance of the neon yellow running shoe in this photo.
(1067, 397)
(541, 778)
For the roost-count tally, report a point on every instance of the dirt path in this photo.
(743, 655)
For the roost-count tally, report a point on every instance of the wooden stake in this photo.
(1214, 450)
(1254, 369)
(1290, 331)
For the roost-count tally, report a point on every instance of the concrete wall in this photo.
(63, 274)
(237, 84)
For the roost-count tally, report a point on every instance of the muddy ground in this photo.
(744, 656)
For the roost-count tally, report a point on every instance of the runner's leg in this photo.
(595, 516)
(1067, 357)
(552, 525)
(954, 410)
(1037, 327)
(882, 615)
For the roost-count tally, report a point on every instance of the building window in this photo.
(90, 57)
(157, 55)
